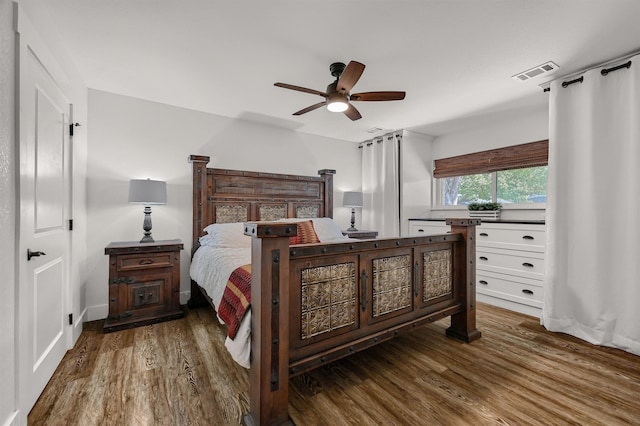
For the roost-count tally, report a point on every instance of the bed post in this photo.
(269, 372)
(327, 176)
(463, 324)
(199, 214)
(200, 204)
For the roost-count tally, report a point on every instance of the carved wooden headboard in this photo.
(222, 196)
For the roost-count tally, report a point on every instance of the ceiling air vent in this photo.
(536, 71)
(374, 130)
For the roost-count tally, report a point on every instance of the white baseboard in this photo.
(12, 420)
(184, 297)
(77, 327)
(97, 312)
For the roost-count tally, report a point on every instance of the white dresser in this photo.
(509, 265)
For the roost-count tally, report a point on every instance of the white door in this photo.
(44, 200)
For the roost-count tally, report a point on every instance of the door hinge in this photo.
(71, 126)
(70, 319)
(70, 224)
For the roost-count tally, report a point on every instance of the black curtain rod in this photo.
(604, 72)
(577, 80)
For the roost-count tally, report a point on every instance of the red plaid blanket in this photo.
(236, 299)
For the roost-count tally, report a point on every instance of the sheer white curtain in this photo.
(592, 279)
(381, 185)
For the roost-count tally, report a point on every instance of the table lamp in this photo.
(147, 192)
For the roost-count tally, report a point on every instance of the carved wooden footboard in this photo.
(313, 304)
(317, 303)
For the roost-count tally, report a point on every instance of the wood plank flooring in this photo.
(179, 373)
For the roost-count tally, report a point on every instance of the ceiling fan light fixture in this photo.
(337, 103)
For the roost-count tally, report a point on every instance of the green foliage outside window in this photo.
(523, 185)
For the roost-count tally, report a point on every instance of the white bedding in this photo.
(225, 248)
(211, 268)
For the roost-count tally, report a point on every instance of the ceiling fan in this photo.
(337, 96)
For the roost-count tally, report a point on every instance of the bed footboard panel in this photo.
(321, 302)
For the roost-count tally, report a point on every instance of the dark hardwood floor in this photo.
(178, 373)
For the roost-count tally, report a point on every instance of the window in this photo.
(512, 175)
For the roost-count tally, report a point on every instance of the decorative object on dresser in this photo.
(361, 235)
(144, 283)
(484, 210)
(147, 192)
(352, 199)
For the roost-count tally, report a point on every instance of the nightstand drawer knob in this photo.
(146, 261)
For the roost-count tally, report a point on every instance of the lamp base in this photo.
(353, 220)
(146, 225)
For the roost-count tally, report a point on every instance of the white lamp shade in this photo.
(147, 191)
(352, 199)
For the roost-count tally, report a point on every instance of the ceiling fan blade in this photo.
(309, 108)
(378, 96)
(352, 113)
(301, 89)
(350, 76)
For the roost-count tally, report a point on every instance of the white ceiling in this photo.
(454, 58)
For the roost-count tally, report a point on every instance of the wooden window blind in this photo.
(533, 154)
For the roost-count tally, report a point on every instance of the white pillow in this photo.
(326, 228)
(226, 235)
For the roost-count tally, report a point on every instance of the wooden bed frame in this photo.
(313, 304)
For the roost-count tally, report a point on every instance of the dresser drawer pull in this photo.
(420, 230)
(527, 265)
(483, 282)
(527, 237)
(484, 258)
(526, 291)
(484, 234)
(146, 261)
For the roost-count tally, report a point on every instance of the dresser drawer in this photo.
(132, 262)
(511, 237)
(512, 262)
(520, 290)
(428, 228)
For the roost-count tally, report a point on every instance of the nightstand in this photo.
(361, 235)
(144, 283)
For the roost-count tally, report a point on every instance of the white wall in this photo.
(8, 301)
(132, 138)
(497, 131)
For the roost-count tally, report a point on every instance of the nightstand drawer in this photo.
(132, 262)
